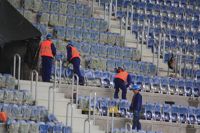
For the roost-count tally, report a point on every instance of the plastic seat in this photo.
(94, 37)
(85, 48)
(46, 6)
(139, 80)
(59, 32)
(13, 126)
(188, 87)
(34, 127)
(8, 96)
(71, 9)
(86, 23)
(166, 113)
(103, 37)
(157, 112)
(119, 53)
(86, 36)
(87, 11)
(54, 7)
(70, 21)
(53, 20)
(196, 89)
(78, 22)
(103, 51)
(103, 106)
(110, 65)
(180, 87)
(103, 25)
(78, 34)
(129, 53)
(127, 65)
(94, 50)
(191, 115)
(164, 82)
(111, 51)
(79, 9)
(69, 33)
(24, 126)
(183, 112)
(136, 68)
(43, 128)
(95, 24)
(148, 111)
(155, 85)
(62, 8)
(123, 107)
(174, 113)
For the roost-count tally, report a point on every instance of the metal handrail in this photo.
(94, 108)
(126, 127)
(67, 117)
(34, 72)
(112, 124)
(60, 73)
(49, 98)
(107, 125)
(75, 90)
(55, 73)
(17, 56)
(89, 115)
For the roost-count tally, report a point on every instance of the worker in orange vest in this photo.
(3, 117)
(47, 52)
(122, 80)
(73, 56)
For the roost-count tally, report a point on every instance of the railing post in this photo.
(141, 48)
(158, 55)
(34, 72)
(112, 124)
(73, 88)
(60, 73)
(109, 14)
(94, 109)
(126, 25)
(126, 127)
(67, 117)
(89, 115)
(148, 30)
(55, 73)
(107, 120)
(180, 63)
(131, 27)
(49, 98)
(17, 56)
(116, 8)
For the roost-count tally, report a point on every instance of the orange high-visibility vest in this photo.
(122, 75)
(45, 48)
(3, 116)
(75, 52)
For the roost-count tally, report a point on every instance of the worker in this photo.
(73, 57)
(122, 80)
(47, 52)
(136, 106)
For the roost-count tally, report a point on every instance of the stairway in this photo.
(131, 41)
(61, 106)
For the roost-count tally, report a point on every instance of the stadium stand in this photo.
(165, 26)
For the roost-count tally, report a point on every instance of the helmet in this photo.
(49, 36)
(135, 87)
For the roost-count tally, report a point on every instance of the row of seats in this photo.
(186, 15)
(21, 126)
(123, 130)
(174, 113)
(83, 35)
(98, 50)
(21, 97)
(164, 85)
(157, 112)
(192, 4)
(53, 19)
(7, 81)
(25, 112)
(55, 7)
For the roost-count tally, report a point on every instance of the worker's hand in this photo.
(65, 64)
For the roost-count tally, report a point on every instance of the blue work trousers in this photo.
(120, 84)
(76, 68)
(136, 121)
(46, 68)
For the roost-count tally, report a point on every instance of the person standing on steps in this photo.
(136, 106)
(73, 57)
(122, 81)
(47, 52)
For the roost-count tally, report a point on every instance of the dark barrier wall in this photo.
(17, 35)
